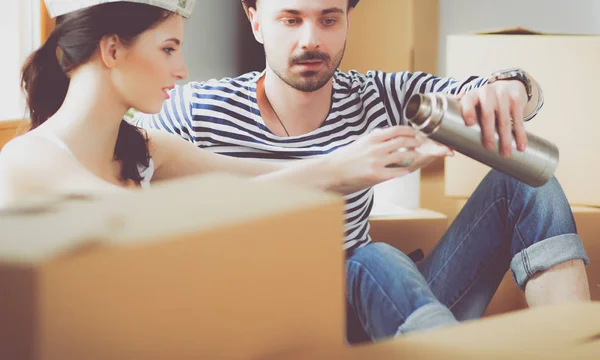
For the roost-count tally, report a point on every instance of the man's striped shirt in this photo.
(222, 116)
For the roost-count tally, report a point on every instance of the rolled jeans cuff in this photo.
(545, 254)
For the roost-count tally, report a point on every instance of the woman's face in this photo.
(151, 66)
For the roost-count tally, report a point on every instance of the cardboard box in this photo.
(419, 229)
(210, 267)
(588, 227)
(393, 36)
(566, 67)
(560, 332)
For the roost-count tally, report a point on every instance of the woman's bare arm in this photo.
(362, 164)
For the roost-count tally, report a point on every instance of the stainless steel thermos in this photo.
(440, 118)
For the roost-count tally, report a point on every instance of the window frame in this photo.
(38, 24)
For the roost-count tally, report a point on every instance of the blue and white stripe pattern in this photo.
(222, 116)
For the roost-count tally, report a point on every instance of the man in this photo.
(303, 106)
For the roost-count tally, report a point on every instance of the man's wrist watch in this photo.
(513, 74)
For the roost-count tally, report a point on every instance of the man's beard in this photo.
(310, 81)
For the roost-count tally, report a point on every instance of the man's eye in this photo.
(329, 22)
(291, 21)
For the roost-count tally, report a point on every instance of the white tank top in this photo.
(145, 172)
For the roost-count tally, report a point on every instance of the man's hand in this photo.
(379, 156)
(496, 104)
(428, 151)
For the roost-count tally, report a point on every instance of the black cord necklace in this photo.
(277, 116)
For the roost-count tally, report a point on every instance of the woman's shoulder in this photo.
(29, 159)
(33, 165)
(19, 167)
(18, 149)
(33, 148)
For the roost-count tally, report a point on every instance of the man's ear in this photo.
(255, 23)
(350, 11)
(111, 50)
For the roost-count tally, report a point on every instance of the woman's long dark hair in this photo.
(72, 43)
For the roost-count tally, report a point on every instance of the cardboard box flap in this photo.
(174, 208)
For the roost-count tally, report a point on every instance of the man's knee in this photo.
(380, 254)
(384, 265)
(550, 191)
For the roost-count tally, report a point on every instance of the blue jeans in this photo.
(504, 225)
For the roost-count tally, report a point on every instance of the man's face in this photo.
(304, 40)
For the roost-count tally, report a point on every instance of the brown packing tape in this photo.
(524, 31)
(511, 31)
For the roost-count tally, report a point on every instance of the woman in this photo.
(104, 59)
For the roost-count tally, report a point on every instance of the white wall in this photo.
(16, 19)
(211, 39)
(554, 16)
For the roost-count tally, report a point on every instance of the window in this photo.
(23, 19)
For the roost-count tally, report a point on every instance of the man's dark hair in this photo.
(252, 3)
